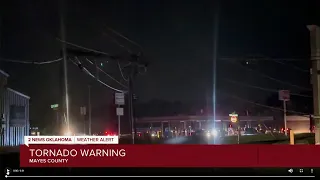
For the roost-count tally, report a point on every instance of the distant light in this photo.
(101, 64)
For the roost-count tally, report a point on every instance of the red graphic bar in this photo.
(170, 156)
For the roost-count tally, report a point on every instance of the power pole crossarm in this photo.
(315, 77)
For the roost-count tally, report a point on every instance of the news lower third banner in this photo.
(103, 152)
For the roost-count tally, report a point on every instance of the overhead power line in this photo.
(264, 59)
(262, 88)
(292, 66)
(118, 43)
(126, 38)
(101, 70)
(274, 79)
(93, 76)
(30, 62)
(120, 69)
(103, 53)
(262, 105)
(124, 47)
(85, 48)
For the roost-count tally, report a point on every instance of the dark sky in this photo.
(177, 39)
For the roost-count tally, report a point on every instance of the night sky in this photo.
(177, 39)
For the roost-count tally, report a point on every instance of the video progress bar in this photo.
(149, 176)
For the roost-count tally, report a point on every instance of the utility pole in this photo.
(315, 77)
(284, 96)
(65, 66)
(285, 117)
(89, 105)
(130, 105)
(83, 113)
(133, 69)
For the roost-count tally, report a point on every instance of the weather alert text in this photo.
(43, 154)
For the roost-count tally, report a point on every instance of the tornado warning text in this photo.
(62, 156)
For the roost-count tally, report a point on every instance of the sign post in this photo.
(234, 119)
(119, 101)
(284, 96)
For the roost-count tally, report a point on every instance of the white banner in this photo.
(71, 140)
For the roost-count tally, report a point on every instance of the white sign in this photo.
(119, 98)
(83, 111)
(120, 112)
(284, 95)
(71, 140)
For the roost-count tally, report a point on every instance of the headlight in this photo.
(214, 132)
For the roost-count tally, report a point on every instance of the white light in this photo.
(68, 133)
(214, 132)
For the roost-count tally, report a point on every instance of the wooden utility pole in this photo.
(65, 65)
(315, 77)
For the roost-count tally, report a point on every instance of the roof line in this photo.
(19, 93)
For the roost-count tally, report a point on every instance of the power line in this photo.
(274, 79)
(120, 69)
(99, 52)
(126, 38)
(270, 59)
(262, 105)
(107, 74)
(96, 51)
(262, 88)
(263, 59)
(93, 76)
(85, 48)
(118, 43)
(292, 66)
(30, 62)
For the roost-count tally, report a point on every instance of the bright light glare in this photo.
(68, 133)
(214, 132)
(208, 134)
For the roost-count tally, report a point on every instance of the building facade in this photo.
(300, 124)
(186, 124)
(14, 111)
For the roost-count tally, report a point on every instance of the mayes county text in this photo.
(55, 156)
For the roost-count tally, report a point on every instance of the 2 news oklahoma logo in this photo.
(7, 172)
